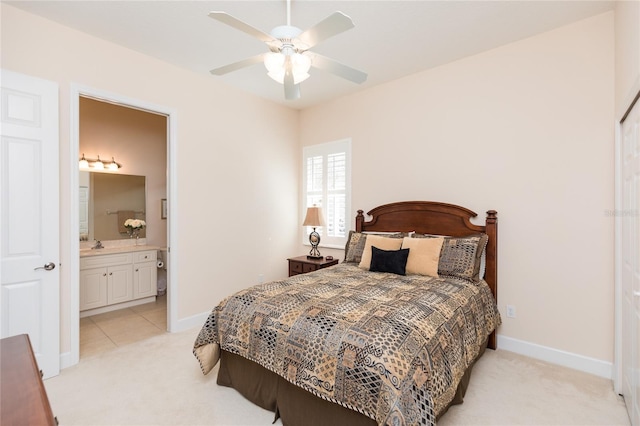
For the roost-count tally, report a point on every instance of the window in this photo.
(326, 176)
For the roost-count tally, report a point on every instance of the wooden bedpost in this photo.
(491, 273)
(359, 220)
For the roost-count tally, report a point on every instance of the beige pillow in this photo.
(424, 255)
(384, 243)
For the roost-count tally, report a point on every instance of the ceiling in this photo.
(391, 39)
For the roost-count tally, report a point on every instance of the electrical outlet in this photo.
(511, 311)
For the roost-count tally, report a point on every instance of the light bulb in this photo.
(99, 165)
(113, 165)
(84, 164)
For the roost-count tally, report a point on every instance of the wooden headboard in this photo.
(427, 217)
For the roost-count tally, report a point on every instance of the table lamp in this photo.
(314, 219)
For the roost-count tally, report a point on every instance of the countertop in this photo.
(114, 250)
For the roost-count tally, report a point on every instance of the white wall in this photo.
(525, 129)
(237, 184)
(627, 24)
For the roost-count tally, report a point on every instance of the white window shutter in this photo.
(327, 184)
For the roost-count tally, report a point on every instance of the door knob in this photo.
(49, 266)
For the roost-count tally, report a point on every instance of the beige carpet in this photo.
(158, 382)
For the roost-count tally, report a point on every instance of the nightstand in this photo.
(302, 265)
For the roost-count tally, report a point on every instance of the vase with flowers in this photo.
(134, 226)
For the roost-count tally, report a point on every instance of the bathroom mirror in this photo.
(106, 201)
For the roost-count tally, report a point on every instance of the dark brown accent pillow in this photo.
(393, 261)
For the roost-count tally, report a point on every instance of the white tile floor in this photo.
(104, 332)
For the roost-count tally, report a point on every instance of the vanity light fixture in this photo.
(98, 164)
(113, 165)
(314, 219)
(84, 164)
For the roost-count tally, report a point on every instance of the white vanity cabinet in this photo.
(93, 288)
(122, 278)
(105, 286)
(145, 274)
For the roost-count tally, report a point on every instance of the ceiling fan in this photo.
(289, 58)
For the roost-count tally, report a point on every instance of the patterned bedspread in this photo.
(388, 346)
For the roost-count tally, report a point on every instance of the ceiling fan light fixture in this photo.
(301, 63)
(278, 76)
(276, 65)
(274, 62)
(289, 58)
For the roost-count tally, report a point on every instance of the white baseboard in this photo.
(190, 322)
(66, 360)
(555, 356)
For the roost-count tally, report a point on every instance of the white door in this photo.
(29, 238)
(630, 221)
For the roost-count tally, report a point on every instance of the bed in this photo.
(360, 343)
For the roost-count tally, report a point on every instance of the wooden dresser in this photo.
(23, 399)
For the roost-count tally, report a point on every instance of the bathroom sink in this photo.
(112, 250)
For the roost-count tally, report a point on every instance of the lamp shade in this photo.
(314, 217)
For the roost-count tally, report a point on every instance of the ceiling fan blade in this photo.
(291, 90)
(334, 24)
(237, 65)
(225, 18)
(335, 67)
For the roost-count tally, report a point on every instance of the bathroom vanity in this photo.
(116, 278)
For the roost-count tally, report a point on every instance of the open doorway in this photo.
(121, 303)
(148, 152)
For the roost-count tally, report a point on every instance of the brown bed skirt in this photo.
(294, 405)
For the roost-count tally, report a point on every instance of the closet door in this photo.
(630, 221)
(29, 215)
